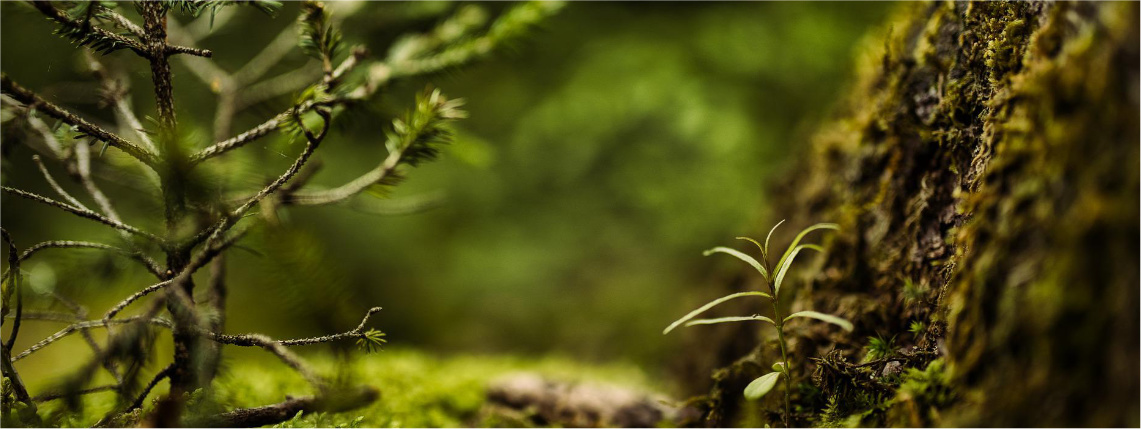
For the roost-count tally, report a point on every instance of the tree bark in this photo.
(984, 170)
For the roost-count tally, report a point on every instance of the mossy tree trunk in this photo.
(985, 173)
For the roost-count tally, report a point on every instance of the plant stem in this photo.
(784, 358)
(778, 321)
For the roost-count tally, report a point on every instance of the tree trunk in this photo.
(984, 171)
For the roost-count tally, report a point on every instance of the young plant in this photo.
(774, 279)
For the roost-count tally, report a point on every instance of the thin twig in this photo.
(84, 213)
(123, 110)
(174, 50)
(251, 339)
(51, 396)
(55, 185)
(138, 402)
(14, 272)
(197, 262)
(151, 266)
(89, 324)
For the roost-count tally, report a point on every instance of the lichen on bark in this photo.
(984, 170)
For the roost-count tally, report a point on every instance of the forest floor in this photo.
(418, 388)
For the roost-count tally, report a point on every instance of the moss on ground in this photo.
(418, 389)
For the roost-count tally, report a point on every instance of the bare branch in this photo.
(174, 50)
(90, 324)
(58, 189)
(84, 213)
(252, 339)
(278, 349)
(50, 141)
(138, 402)
(29, 98)
(151, 266)
(200, 260)
(14, 272)
(124, 23)
(123, 110)
(51, 396)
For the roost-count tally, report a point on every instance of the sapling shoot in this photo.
(774, 279)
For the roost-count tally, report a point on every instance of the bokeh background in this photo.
(602, 155)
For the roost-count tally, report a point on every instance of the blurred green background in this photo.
(601, 157)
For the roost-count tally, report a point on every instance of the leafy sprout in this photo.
(774, 273)
(879, 347)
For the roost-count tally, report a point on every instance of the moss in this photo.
(418, 389)
(985, 174)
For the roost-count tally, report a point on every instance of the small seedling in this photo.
(917, 328)
(773, 279)
(879, 347)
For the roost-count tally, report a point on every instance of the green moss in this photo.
(418, 389)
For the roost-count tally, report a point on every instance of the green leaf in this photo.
(783, 269)
(770, 237)
(730, 319)
(801, 236)
(761, 386)
(711, 304)
(748, 259)
(839, 321)
(759, 246)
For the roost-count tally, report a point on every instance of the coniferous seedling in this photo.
(201, 223)
(774, 279)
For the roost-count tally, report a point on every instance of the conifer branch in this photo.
(413, 140)
(84, 33)
(30, 99)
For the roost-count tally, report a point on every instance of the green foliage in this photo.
(371, 340)
(80, 30)
(196, 7)
(765, 383)
(838, 321)
(930, 387)
(319, 38)
(917, 327)
(419, 135)
(879, 347)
